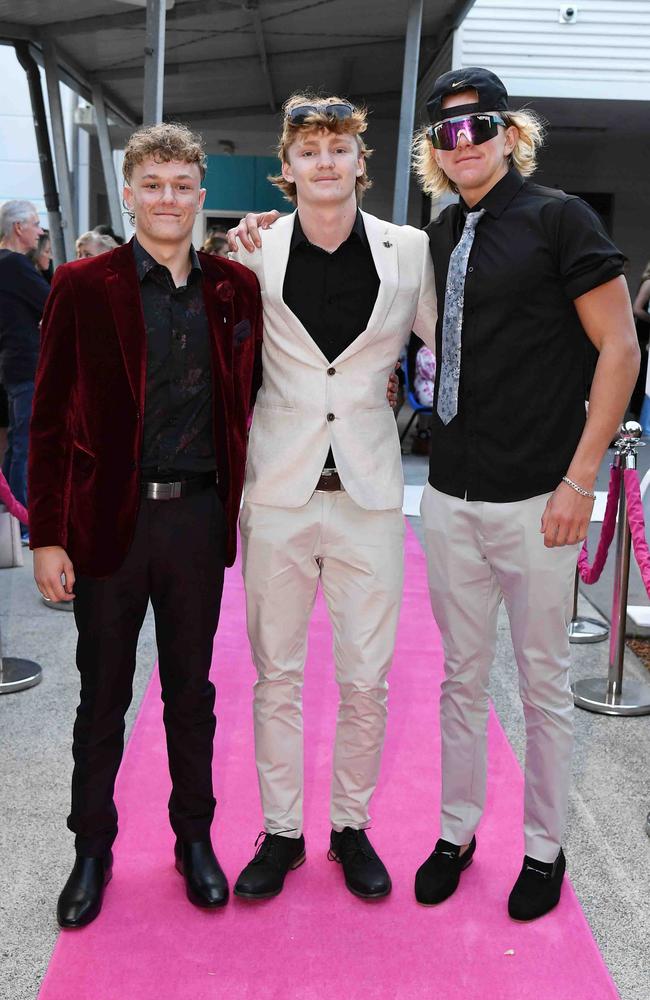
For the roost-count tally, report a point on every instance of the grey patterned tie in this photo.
(452, 321)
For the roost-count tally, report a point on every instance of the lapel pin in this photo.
(387, 244)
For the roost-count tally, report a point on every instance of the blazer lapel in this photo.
(276, 243)
(385, 255)
(123, 290)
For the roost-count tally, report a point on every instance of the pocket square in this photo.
(242, 331)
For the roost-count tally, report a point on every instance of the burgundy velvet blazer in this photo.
(87, 418)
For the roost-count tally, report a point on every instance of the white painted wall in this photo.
(604, 54)
(20, 172)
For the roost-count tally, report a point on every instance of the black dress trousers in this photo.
(177, 560)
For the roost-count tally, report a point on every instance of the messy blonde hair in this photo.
(434, 181)
(355, 125)
(165, 142)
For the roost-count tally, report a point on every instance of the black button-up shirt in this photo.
(178, 435)
(526, 361)
(332, 294)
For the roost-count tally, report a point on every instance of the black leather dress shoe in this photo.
(81, 899)
(205, 882)
(364, 871)
(437, 879)
(264, 876)
(538, 888)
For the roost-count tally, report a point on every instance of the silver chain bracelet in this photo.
(579, 489)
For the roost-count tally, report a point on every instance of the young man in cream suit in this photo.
(342, 291)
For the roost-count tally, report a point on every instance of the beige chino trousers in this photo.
(478, 554)
(357, 555)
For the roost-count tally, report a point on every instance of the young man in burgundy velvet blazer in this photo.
(149, 363)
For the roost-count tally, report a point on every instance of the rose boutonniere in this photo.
(225, 291)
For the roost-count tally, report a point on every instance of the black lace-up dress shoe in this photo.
(264, 876)
(437, 879)
(83, 893)
(205, 882)
(364, 871)
(538, 888)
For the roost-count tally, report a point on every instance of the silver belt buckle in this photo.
(164, 491)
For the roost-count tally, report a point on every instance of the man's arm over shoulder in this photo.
(50, 438)
(427, 313)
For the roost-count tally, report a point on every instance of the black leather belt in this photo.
(181, 488)
(329, 482)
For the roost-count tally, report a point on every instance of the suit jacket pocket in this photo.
(83, 461)
(242, 331)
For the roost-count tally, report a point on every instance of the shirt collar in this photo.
(358, 231)
(144, 262)
(498, 197)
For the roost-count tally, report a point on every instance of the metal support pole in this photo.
(60, 149)
(610, 696)
(50, 193)
(17, 675)
(407, 112)
(108, 167)
(585, 629)
(154, 62)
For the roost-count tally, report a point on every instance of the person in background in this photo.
(216, 244)
(105, 230)
(91, 244)
(41, 256)
(423, 381)
(642, 320)
(23, 293)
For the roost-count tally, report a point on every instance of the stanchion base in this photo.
(587, 630)
(16, 675)
(58, 605)
(592, 695)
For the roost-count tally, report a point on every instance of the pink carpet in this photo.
(316, 941)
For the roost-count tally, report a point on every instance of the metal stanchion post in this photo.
(585, 629)
(608, 696)
(16, 675)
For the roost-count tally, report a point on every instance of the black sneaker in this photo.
(264, 876)
(437, 879)
(538, 888)
(364, 871)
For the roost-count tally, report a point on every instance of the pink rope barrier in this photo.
(589, 574)
(637, 525)
(10, 502)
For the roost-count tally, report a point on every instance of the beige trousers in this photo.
(478, 554)
(358, 557)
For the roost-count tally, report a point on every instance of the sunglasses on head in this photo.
(300, 114)
(477, 128)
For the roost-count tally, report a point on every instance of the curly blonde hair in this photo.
(165, 142)
(355, 125)
(434, 181)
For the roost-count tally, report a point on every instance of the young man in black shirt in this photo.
(526, 278)
(342, 291)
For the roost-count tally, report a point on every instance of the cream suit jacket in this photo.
(307, 404)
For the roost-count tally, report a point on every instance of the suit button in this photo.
(331, 371)
(330, 416)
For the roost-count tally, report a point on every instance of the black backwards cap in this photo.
(492, 95)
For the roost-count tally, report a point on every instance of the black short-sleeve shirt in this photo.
(525, 358)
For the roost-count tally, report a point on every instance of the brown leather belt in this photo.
(181, 488)
(329, 482)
